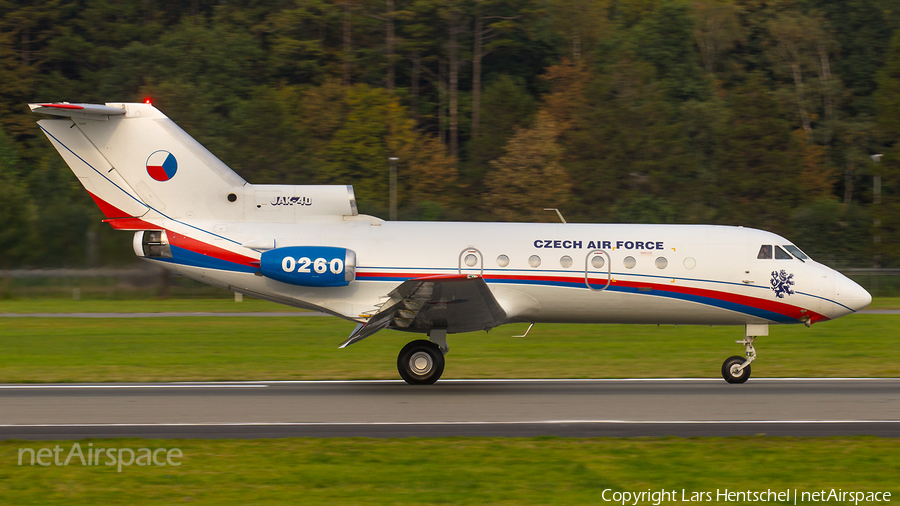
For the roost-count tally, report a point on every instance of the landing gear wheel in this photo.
(420, 363)
(731, 371)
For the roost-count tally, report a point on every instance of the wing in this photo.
(457, 303)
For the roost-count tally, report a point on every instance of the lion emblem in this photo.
(782, 283)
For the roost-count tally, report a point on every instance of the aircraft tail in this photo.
(133, 159)
(136, 162)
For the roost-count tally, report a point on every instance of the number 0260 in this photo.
(320, 265)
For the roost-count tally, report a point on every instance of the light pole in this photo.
(393, 190)
(876, 200)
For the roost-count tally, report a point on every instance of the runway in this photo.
(566, 408)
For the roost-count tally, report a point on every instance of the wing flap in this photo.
(458, 303)
(379, 321)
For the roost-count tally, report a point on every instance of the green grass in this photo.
(305, 347)
(453, 471)
(885, 303)
(220, 305)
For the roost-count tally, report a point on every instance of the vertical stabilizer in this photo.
(141, 161)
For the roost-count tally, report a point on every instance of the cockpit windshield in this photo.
(768, 251)
(781, 254)
(796, 252)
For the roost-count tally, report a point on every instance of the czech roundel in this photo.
(161, 165)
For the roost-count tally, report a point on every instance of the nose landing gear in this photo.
(736, 369)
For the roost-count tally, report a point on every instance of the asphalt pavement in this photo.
(509, 408)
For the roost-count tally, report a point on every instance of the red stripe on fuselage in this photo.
(175, 239)
(781, 308)
(395, 275)
(442, 277)
(189, 243)
(795, 312)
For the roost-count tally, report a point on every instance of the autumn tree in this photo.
(529, 176)
(355, 130)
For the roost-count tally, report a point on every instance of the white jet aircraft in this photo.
(307, 246)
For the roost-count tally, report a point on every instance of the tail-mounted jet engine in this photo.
(152, 244)
(321, 266)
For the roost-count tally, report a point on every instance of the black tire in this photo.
(742, 376)
(420, 363)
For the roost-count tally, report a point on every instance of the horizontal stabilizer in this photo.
(85, 111)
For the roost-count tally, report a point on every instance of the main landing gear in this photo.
(736, 369)
(421, 362)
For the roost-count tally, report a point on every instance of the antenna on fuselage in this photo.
(557, 212)
(529, 327)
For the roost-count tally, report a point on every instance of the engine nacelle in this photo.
(309, 265)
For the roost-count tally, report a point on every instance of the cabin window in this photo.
(662, 263)
(598, 262)
(471, 260)
(781, 254)
(565, 261)
(502, 260)
(796, 252)
(630, 262)
(689, 263)
(765, 252)
(534, 261)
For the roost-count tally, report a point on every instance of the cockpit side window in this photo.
(765, 252)
(781, 254)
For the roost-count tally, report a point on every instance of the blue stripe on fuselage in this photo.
(183, 256)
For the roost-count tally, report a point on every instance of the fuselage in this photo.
(655, 274)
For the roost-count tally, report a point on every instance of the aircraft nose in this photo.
(849, 294)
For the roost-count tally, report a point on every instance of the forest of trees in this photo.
(762, 113)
